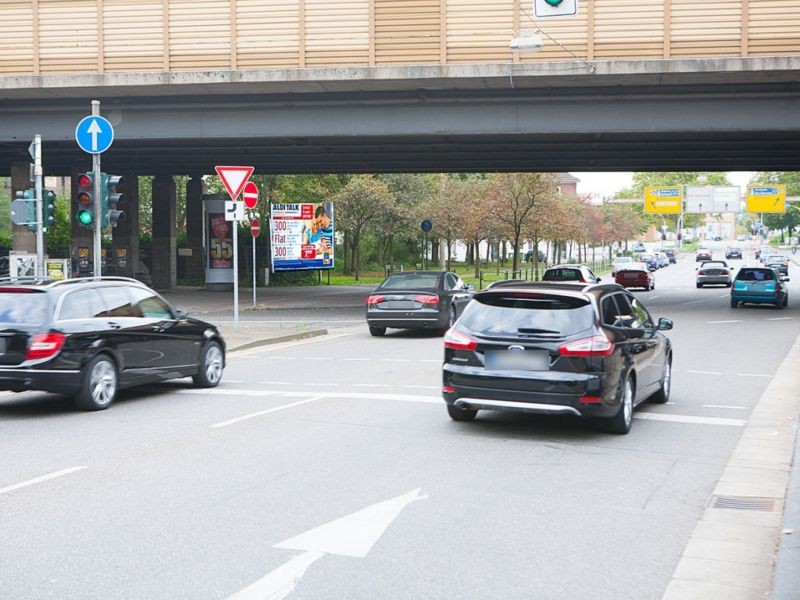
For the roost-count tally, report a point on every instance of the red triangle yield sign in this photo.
(234, 178)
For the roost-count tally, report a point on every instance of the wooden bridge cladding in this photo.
(98, 36)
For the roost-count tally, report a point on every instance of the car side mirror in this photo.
(598, 279)
(181, 314)
(784, 278)
(470, 287)
(664, 324)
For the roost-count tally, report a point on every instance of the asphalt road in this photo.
(183, 493)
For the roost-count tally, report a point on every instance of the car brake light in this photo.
(597, 345)
(590, 399)
(374, 299)
(455, 339)
(426, 299)
(448, 389)
(701, 272)
(45, 345)
(724, 272)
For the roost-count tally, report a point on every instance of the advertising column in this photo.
(219, 246)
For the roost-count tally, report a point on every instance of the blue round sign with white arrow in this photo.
(94, 134)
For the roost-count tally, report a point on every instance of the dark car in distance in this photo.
(636, 275)
(733, 252)
(89, 338)
(580, 273)
(417, 300)
(591, 351)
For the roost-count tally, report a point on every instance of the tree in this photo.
(516, 197)
(359, 203)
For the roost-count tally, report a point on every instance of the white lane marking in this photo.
(317, 358)
(358, 359)
(421, 387)
(652, 297)
(396, 359)
(371, 385)
(41, 479)
(263, 351)
(780, 319)
(753, 375)
(724, 406)
(353, 536)
(261, 413)
(282, 357)
(233, 381)
(690, 419)
(432, 360)
(725, 296)
(281, 582)
(322, 384)
(275, 382)
(693, 302)
(230, 392)
(730, 321)
(704, 372)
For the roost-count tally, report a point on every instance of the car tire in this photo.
(451, 318)
(461, 414)
(662, 394)
(621, 422)
(699, 285)
(377, 331)
(100, 383)
(212, 363)
(734, 303)
(729, 284)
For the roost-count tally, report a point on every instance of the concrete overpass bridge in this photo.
(299, 86)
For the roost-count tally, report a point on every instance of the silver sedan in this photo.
(714, 272)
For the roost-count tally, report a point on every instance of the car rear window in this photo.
(411, 282)
(562, 275)
(527, 312)
(755, 275)
(24, 306)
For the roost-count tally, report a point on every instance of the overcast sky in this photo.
(606, 185)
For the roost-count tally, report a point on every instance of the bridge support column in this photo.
(194, 227)
(164, 232)
(125, 235)
(24, 240)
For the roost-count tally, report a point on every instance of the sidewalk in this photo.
(217, 307)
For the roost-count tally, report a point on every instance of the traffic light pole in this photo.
(98, 218)
(37, 178)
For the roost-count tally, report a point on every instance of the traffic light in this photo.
(23, 208)
(85, 186)
(555, 8)
(48, 209)
(112, 198)
(553, 2)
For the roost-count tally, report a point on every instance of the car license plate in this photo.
(517, 360)
(398, 304)
(630, 275)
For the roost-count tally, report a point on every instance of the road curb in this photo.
(731, 553)
(280, 339)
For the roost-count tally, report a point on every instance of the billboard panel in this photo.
(302, 236)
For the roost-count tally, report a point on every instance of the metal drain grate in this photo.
(744, 503)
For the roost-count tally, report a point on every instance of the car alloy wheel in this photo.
(99, 386)
(212, 364)
(621, 422)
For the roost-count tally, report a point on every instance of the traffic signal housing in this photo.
(23, 208)
(112, 200)
(48, 209)
(85, 186)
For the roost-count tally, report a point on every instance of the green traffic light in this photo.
(84, 217)
(553, 2)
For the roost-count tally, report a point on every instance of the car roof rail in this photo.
(26, 279)
(76, 280)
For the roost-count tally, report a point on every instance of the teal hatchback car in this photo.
(759, 285)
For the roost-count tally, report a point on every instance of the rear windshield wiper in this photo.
(531, 330)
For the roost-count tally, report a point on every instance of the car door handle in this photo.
(114, 325)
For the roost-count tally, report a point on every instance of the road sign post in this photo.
(37, 172)
(234, 179)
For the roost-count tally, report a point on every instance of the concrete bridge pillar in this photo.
(24, 240)
(194, 227)
(164, 233)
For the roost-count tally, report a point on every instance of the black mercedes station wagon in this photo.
(88, 338)
(592, 351)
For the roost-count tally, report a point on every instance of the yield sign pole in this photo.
(234, 178)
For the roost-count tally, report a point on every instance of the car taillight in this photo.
(427, 299)
(45, 345)
(723, 272)
(701, 272)
(590, 399)
(448, 389)
(373, 299)
(455, 339)
(597, 345)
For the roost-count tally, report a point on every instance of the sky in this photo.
(606, 185)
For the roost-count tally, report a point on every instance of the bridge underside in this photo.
(715, 115)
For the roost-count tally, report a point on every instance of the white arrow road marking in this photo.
(93, 130)
(36, 480)
(353, 535)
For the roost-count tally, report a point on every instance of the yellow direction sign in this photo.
(664, 200)
(766, 198)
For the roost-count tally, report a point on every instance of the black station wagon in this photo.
(88, 338)
(591, 351)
